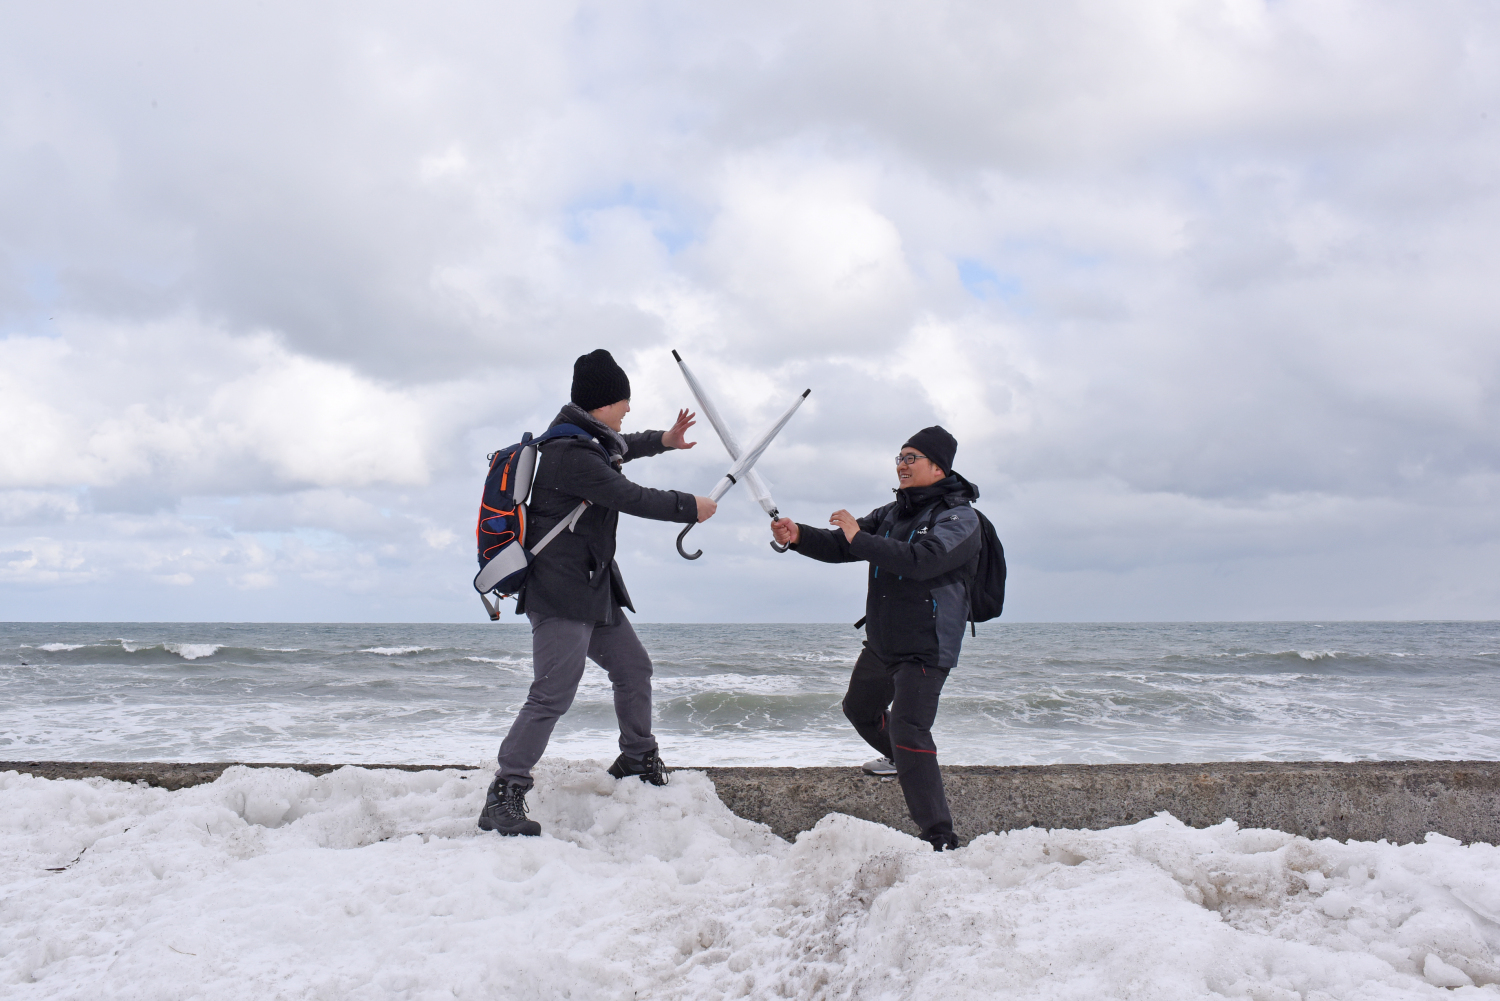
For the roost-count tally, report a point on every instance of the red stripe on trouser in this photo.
(916, 750)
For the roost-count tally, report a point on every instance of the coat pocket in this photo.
(950, 612)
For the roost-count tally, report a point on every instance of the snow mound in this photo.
(271, 883)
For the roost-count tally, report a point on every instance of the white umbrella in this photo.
(743, 461)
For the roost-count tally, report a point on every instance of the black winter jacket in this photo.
(576, 577)
(917, 605)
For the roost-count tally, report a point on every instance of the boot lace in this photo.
(513, 803)
(654, 770)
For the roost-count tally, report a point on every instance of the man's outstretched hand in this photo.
(677, 436)
(786, 532)
(706, 508)
(845, 521)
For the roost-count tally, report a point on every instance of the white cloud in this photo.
(439, 538)
(36, 506)
(184, 406)
(805, 249)
(1198, 284)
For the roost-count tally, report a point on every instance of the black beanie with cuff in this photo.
(598, 381)
(935, 443)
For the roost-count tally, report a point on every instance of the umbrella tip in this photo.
(806, 391)
(675, 355)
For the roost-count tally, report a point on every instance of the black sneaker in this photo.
(650, 768)
(505, 810)
(942, 842)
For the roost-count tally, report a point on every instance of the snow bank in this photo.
(376, 884)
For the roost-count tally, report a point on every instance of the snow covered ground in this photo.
(376, 884)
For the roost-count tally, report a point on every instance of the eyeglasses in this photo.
(906, 460)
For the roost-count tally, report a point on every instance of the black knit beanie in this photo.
(598, 381)
(935, 443)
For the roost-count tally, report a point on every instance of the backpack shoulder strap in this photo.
(944, 504)
(569, 431)
(947, 504)
(562, 431)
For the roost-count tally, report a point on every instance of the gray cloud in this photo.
(1202, 287)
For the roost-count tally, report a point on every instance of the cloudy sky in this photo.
(1199, 285)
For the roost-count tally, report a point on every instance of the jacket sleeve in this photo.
(828, 545)
(644, 444)
(587, 474)
(953, 541)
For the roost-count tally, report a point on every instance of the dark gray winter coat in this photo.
(576, 577)
(922, 549)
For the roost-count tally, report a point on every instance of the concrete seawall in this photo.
(1397, 800)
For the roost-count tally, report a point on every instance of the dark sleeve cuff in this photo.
(817, 544)
(687, 508)
(860, 546)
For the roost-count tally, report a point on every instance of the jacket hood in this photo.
(953, 485)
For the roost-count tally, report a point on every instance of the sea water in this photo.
(376, 884)
(752, 694)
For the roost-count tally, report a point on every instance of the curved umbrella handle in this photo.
(775, 514)
(683, 552)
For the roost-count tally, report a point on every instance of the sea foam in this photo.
(192, 651)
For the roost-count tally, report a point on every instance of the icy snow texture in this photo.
(376, 884)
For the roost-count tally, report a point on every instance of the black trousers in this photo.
(893, 706)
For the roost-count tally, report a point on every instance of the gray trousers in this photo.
(558, 649)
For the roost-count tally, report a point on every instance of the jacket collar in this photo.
(953, 485)
(614, 443)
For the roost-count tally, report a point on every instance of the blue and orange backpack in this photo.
(501, 532)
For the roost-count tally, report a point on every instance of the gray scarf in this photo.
(613, 442)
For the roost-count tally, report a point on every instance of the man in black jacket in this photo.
(922, 549)
(574, 594)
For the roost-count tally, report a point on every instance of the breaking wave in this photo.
(192, 651)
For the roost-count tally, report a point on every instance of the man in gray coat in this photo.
(574, 595)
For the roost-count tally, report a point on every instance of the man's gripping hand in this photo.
(786, 532)
(706, 508)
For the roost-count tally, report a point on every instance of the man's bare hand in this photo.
(786, 532)
(706, 508)
(677, 436)
(846, 521)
